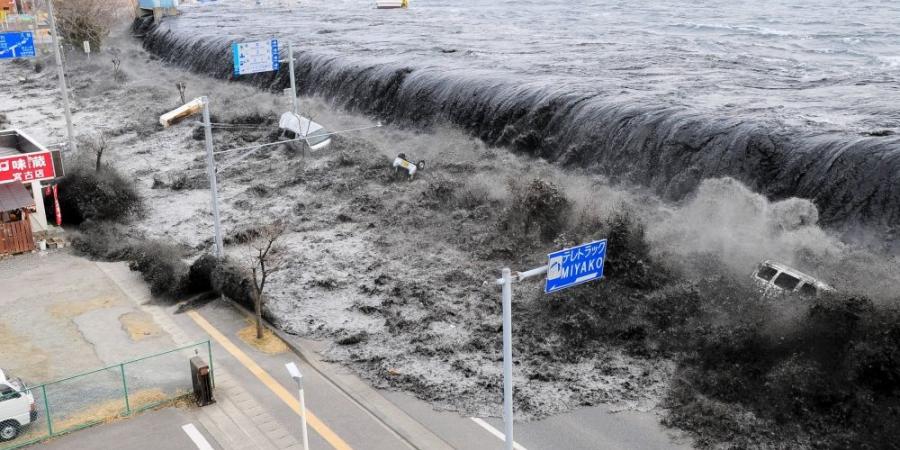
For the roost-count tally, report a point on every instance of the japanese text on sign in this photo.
(575, 265)
(27, 167)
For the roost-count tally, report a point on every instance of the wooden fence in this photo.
(15, 237)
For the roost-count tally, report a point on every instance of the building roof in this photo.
(14, 196)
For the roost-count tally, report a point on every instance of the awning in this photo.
(14, 196)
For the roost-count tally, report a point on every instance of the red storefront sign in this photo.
(27, 167)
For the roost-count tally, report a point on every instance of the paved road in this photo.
(154, 430)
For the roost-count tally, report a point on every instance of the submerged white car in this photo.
(777, 278)
(17, 408)
(297, 126)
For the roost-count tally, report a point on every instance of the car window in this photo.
(766, 273)
(808, 290)
(786, 281)
(318, 136)
(7, 393)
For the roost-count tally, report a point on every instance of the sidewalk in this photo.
(237, 420)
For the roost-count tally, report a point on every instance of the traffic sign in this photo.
(16, 44)
(575, 265)
(255, 57)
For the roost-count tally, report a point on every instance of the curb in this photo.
(407, 429)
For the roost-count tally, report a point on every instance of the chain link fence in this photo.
(30, 414)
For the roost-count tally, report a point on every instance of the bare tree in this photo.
(181, 86)
(116, 60)
(266, 257)
(99, 146)
(89, 20)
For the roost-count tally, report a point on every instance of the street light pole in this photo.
(61, 74)
(298, 377)
(211, 171)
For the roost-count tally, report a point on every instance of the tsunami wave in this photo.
(671, 150)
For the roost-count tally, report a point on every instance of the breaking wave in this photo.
(850, 178)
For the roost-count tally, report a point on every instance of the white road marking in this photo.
(495, 432)
(197, 437)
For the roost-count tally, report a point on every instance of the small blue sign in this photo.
(575, 265)
(255, 57)
(16, 44)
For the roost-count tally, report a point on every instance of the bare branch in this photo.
(266, 257)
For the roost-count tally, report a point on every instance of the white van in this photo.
(17, 408)
(777, 278)
(297, 126)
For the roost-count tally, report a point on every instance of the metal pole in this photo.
(34, 22)
(507, 358)
(211, 170)
(293, 78)
(303, 414)
(212, 372)
(47, 410)
(125, 388)
(61, 74)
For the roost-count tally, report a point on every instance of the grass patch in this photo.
(269, 344)
(69, 310)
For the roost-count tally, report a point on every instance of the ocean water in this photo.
(829, 64)
(792, 97)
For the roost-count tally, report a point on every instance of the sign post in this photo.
(565, 268)
(293, 80)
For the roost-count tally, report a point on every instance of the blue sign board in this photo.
(16, 44)
(255, 57)
(575, 265)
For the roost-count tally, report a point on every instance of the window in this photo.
(766, 273)
(7, 393)
(786, 281)
(317, 137)
(808, 290)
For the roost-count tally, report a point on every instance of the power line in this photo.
(256, 147)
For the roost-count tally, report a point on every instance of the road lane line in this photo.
(196, 436)
(495, 432)
(317, 425)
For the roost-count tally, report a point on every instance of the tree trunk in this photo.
(259, 325)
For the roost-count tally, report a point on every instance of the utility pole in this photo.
(293, 80)
(61, 74)
(34, 19)
(211, 168)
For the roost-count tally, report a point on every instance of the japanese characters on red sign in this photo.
(26, 167)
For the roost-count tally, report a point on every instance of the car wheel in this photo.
(9, 430)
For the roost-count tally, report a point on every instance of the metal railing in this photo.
(98, 396)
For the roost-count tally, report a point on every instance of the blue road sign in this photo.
(16, 44)
(255, 57)
(575, 265)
